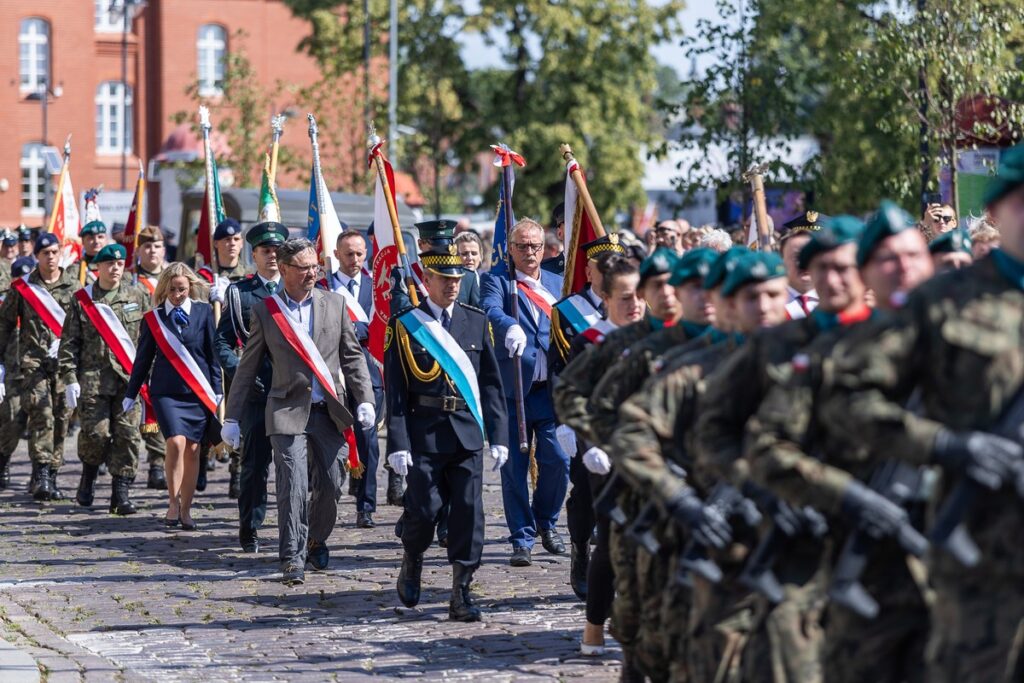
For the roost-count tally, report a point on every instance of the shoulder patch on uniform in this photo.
(130, 306)
(801, 362)
(389, 334)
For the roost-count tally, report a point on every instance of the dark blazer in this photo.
(469, 291)
(233, 331)
(164, 380)
(421, 429)
(496, 300)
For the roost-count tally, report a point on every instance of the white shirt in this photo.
(275, 280)
(810, 298)
(185, 306)
(436, 310)
(342, 279)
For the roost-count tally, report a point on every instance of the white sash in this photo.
(116, 328)
(354, 307)
(43, 303)
(309, 353)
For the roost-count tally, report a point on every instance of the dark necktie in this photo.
(180, 317)
(351, 287)
(271, 287)
(446, 320)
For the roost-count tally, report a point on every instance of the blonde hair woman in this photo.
(177, 357)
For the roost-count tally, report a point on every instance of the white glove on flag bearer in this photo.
(366, 415)
(515, 341)
(566, 438)
(231, 433)
(597, 461)
(400, 462)
(71, 394)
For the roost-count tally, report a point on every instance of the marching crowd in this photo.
(796, 466)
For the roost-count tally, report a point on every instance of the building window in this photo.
(211, 47)
(113, 106)
(109, 16)
(33, 54)
(33, 179)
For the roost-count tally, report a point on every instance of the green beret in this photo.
(662, 261)
(950, 242)
(889, 220)
(834, 233)
(111, 252)
(720, 266)
(751, 268)
(1009, 176)
(268, 233)
(93, 228)
(694, 264)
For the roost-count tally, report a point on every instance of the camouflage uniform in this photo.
(109, 435)
(12, 417)
(960, 342)
(41, 387)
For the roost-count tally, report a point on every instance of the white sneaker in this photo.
(591, 650)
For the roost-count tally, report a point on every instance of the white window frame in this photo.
(211, 55)
(109, 113)
(109, 16)
(33, 166)
(39, 54)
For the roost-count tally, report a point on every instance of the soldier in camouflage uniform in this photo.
(789, 439)
(959, 340)
(95, 381)
(41, 389)
(94, 236)
(12, 417)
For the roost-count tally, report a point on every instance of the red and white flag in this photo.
(385, 256)
(577, 223)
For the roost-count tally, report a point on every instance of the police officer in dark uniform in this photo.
(232, 334)
(436, 432)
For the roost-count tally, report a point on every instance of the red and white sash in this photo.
(303, 345)
(116, 337)
(541, 298)
(182, 361)
(355, 310)
(42, 302)
(597, 332)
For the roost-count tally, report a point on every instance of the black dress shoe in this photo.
(520, 557)
(409, 579)
(318, 555)
(461, 607)
(364, 520)
(442, 541)
(156, 480)
(250, 544)
(293, 575)
(552, 542)
(579, 562)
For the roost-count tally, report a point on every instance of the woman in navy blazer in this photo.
(184, 420)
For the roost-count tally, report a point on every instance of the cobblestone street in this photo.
(94, 597)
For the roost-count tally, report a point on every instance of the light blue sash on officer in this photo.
(580, 313)
(449, 355)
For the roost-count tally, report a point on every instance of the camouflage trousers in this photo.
(721, 621)
(977, 632)
(626, 606)
(156, 448)
(47, 416)
(786, 643)
(652, 578)
(12, 420)
(676, 603)
(109, 435)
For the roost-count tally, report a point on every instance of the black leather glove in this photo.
(782, 514)
(987, 459)
(872, 512)
(706, 523)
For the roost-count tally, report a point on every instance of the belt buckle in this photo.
(449, 404)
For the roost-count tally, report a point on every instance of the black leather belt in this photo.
(448, 404)
(319, 405)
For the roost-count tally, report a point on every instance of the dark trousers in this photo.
(368, 447)
(458, 479)
(600, 576)
(254, 469)
(579, 506)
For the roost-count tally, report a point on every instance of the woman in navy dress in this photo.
(184, 420)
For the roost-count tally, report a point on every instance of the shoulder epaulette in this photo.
(472, 308)
(403, 311)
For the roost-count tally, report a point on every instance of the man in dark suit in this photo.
(357, 288)
(528, 338)
(445, 394)
(318, 371)
(250, 481)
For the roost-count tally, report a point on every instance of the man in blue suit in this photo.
(528, 338)
(357, 288)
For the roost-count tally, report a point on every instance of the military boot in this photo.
(87, 485)
(44, 485)
(55, 492)
(579, 563)
(409, 579)
(120, 503)
(235, 485)
(156, 479)
(33, 482)
(5, 472)
(461, 607)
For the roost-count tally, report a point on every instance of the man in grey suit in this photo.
(302, 414)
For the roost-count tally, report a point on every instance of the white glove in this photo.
(231, 433)
(3, 387)
(366, 415)
(54, 347)
(71, 394)
(515, 341)
(219, 288)
(596, 461)
(400, 462)
(127, 405)
(500, 456)
(566, 439)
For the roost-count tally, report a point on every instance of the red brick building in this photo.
(74, 48)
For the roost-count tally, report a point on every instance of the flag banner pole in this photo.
(377, 160)
(574, 216)
(755, 176)
(60, 188)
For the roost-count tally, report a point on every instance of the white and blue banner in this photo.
(580, 313)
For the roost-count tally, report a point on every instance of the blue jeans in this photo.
(525, 520)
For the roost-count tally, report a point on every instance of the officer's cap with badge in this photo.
(111, 252)
(94, 228)
(752, 268)
(720, 266)
(661, 262)
(808, 222)
(267, 234)
(24, 234)
(609, 242)
(835, 233)
(444, 261)
(889, 220)
(436, 231)
(23, 266)
(9, 238)
(694, 265)
(1009, 176)
(228, 227)
(44, 241)
(951, 242)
